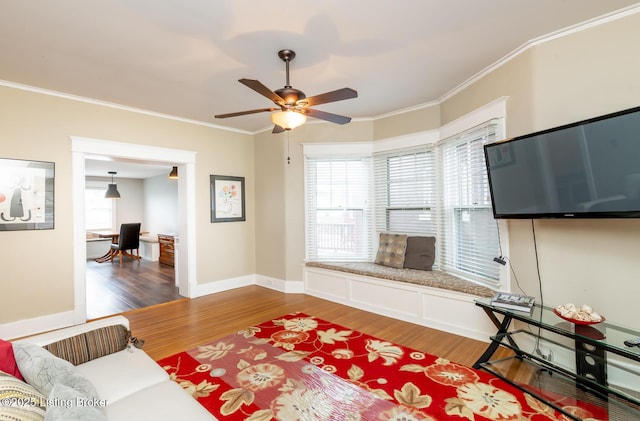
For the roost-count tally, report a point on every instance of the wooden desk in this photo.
(167, 249)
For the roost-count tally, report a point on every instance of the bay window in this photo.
(434, 187)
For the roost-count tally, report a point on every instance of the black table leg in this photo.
(493, 345)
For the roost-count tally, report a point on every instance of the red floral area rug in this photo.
(299, 367)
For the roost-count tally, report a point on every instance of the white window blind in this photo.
(339, 217)
(469, 235)
(405, 191)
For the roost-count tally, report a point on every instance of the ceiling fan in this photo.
(292, 103)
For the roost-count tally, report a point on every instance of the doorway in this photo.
(185, 243)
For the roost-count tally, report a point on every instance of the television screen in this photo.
(589, 169)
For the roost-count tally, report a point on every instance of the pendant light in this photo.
(174, 173)
(112, 190)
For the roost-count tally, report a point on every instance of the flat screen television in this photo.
(588, 169)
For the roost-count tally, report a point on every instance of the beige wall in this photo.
(421, 120)
(270, 170)
(37, 266)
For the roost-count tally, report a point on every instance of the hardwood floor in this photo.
(180, 325)
(112, 288)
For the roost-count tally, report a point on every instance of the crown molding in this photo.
(78, 98)
(591, 23)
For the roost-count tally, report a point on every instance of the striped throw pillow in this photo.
(88, 346)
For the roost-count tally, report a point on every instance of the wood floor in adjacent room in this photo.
(113, 288)
(180, 325)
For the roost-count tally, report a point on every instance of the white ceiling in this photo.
(183, 58)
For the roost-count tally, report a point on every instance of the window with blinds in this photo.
(468, 239)
(339, 218)
(405, 191)
(437, 189)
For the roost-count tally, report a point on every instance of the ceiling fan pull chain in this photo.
(288, 155)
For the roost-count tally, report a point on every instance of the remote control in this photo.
(632, 342)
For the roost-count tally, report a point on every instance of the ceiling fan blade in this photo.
(322, 115)
(277, 129)
(261, 110)
(262, 90)
(337, 95)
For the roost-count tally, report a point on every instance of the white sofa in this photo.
(131, 384)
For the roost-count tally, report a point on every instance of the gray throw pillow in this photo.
(421, 253)
(72, 405)
(42, 370)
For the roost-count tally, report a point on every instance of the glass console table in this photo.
(577, 367)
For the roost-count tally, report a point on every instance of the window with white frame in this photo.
(468, 239)
(338, 214)
(98, 210)
(405, 191)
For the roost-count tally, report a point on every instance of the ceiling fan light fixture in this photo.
(288, 119)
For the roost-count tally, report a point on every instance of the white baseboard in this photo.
(224, 285)
(27, 327)
(288, 287)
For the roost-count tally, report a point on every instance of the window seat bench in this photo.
(428, 278)
(429, 298)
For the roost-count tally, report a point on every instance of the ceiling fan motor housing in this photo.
(290, 95)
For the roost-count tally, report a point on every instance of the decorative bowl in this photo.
(579, 322)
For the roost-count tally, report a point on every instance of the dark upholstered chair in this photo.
(129, 239)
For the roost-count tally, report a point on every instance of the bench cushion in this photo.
(434, 279)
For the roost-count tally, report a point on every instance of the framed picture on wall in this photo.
(227, 198)
(26, 195)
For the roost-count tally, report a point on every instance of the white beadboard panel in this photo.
(389, 299)
(437, 308)
(463, 317)
(326, 284)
